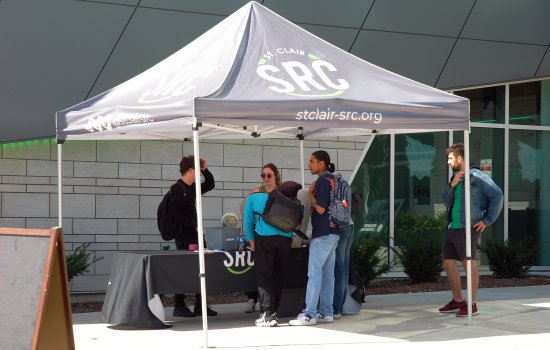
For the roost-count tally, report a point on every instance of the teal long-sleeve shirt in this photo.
(255, 203)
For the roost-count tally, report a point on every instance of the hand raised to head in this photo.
(203, 163)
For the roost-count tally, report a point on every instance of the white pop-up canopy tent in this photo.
(256, 74)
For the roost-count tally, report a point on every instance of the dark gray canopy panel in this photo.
(257, 70)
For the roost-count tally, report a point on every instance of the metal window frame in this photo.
(507, 127)
(506, 157)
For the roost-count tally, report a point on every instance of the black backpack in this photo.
(168, 228)
(283, 213)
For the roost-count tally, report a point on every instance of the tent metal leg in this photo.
(60, 183)
(302, 177)
(450, 143)
(391, 200)
(201, 233)
(467, 222)
(361, 159)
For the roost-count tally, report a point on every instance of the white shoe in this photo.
(303, 320)
(323, 319)
(337, 316)
(250, 306)
(267, 321)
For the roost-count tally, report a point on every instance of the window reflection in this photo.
(486, 147)
(529, 189)
(372, 180)
(486, 104)
(525, 103)
(420, 179)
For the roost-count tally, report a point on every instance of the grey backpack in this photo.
(283, 213)
(340, 201)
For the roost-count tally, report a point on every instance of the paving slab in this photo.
(509, 318)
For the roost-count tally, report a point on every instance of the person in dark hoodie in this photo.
(486, 201)
(182, 210)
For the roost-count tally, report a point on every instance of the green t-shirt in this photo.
(456, 207)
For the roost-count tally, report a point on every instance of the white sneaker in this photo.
(337, 316)
(303, 320)
(250, 306)
(267, 321)
(323, 319)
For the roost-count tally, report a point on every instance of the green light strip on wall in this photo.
(529, 117)
(26, 142)
(486, 121)
(494, 120)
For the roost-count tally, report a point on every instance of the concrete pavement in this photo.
(509, 318)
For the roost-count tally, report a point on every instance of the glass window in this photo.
(530, 103)
(486, 104)
(529, 189)
(486, 151)
(420, 179)
(373, 181)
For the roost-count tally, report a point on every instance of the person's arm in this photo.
(313, 199)
(244, 200)
(208, 183)
(319, 193)
(303, 197)
(448, 195)
(249, 220)
(176, 207)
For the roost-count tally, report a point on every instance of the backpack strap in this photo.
(184, 190)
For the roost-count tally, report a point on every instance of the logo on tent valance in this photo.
(302, 79)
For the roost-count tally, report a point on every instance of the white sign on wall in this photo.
(487, 167)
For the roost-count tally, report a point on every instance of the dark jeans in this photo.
(270, 257)
(253, 295)
(179, 299)
(341, 268)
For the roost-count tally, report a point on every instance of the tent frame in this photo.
(277, 126)
(301, 136)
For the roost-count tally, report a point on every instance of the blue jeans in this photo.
(320, 284)
(341, 268)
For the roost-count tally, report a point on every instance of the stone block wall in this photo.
(112, 188)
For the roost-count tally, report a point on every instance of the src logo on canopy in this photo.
(312, 80)
(239, 261)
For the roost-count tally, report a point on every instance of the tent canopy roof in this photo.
(254, 74)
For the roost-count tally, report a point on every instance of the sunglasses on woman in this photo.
(269, 176)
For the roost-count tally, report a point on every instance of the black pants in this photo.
(179, 299)
(253, 296)
(270, 257)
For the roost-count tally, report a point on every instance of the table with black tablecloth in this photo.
(136, 277)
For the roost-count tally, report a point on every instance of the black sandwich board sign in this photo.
(35, 308)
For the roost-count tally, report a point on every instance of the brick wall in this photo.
(112, 188)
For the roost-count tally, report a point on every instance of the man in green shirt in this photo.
(486, 201)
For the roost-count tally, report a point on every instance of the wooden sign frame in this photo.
(54, 326)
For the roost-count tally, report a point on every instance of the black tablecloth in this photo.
(137, 276)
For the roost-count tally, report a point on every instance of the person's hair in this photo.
(188, 163)
(273, 168)
(457, 149)
(322, 156)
